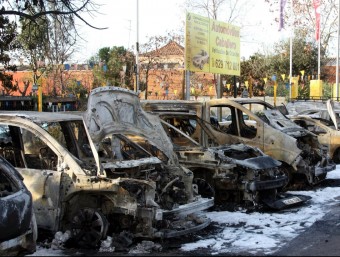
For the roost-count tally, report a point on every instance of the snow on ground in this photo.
(47, 252)
(258, 233)
(266, 232)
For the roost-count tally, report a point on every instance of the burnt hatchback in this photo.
(73, 192)
(17, 220)
(133, 145)
(306, 160)
(238, 173)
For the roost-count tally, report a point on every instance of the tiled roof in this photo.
(172, 48)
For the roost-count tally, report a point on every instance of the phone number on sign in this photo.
(218, 63)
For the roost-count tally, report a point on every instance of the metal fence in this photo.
(28, 103)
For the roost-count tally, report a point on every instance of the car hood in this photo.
(280, 122)
(246, 156)
(118, 110)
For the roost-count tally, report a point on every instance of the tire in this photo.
(88, 227)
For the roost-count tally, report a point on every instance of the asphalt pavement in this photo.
(321, 239)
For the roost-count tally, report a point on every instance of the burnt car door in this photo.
(17, 220)
(37, 163)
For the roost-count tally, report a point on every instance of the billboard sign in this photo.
(211, 46)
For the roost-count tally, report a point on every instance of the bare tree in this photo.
(150, 55)
(149, 58)
(48, 34)
(74, 8)
(49, 40)
(300, 15)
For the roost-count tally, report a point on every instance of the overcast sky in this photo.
(157, 17)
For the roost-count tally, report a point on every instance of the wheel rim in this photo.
(89, 227)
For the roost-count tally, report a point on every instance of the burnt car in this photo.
(72, 191)
(305, 159)
(132, 145)
(235, 173)
(324, 123)
(17, 220)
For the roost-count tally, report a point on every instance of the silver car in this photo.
(73, 191)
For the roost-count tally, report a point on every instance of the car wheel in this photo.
(88, 227)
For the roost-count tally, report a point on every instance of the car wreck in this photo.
(324, 123)
(17, 220)
(71, 190)
(131, 145)
(305, 159)
(237, 173)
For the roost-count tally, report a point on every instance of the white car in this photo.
(75, 189)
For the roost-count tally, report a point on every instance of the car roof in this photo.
(42, 116)
(171, 105)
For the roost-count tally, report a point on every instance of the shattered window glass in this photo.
(36, 152)
(5, 136)
(7, 186)
(235, 121)
(82, 141)
(56, 131)
(10, 147)
(186, 129)
(72, 135)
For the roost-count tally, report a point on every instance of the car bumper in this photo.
(254, 186)
(183, 220)
(22, 243)
(184, 230)
(323, 170)
(285, 201)
(193, 207)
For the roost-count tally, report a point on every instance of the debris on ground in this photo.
(123, 241)
(59, 240)
(146, 247)
(106, 245)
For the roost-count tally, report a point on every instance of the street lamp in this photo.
(137, 51)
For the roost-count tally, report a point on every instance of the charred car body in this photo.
(17, 220)
(133, 146)
(275, 134)
(237, 172)
(71, 191)
(324, 123)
